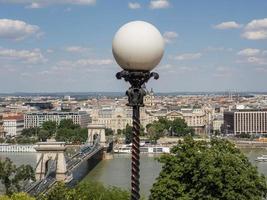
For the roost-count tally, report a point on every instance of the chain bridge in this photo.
(53, 165)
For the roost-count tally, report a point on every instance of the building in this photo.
(2, 132)
(217, 124)
(36, 119)
(149, 99)
(245, 121)
(40, 105)
(195, 118)
(13, 125)
(117, 117)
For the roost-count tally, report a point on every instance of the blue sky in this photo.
(65, 45)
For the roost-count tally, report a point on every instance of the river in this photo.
(116, 172)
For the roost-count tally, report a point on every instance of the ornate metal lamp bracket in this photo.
(137, 79)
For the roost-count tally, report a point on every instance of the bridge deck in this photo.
(42, 186)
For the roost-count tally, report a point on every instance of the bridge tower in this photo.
(47, 153)
(95, 130)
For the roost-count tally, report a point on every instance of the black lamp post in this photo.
(137, 47)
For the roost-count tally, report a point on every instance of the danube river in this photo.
(116, 172)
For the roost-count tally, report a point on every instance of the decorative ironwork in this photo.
(136, 94)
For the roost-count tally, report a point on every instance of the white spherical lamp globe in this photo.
(138, 46)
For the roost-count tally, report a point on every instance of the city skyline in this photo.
(59, 46)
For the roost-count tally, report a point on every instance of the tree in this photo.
(119, 131)
(180, 128)
(217, 132)
(30, 132)
(128, 132)
(177, 127)
(108, 131)
(68, 124)
(78, 135)
(153, 135)
(13, 177)
(86, 191)
(197, 170)
(17, 196)
(43, 135)
(50, 126)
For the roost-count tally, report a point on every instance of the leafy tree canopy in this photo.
(50, 126)
(86, 191)
(128, 134)
(197, 170)
(13, 177)
(17, 196)
(176, 127)
(43, 135)
(108, 131)
(30, 132)
(68, 123)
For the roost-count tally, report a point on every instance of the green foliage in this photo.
(197, 170)
(50, 126)
(78, 135)
(119, 131)
(109, 131)
(163, 126)
(25, 140)
(43, 135)
(17, 196)
(68, 124)
(13, 177)
(2, 140)
(30, 132)
(217, 132)
(153, 135)
(66, 131)
(180, 128)
(86, 191)
(128, 134)
(244, 135)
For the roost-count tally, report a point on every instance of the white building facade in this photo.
(36, 119)
(13, 125)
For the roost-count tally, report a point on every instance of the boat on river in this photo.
(149, 149)
(262, 158)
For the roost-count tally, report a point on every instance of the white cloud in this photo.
(76, 49)
(249, 52)
(255, 35)
(169, 36)
(257, 24)
(252, 56)
(159, 4)
(134, 5)
(80, 65)
(17, 30)
(256, 60)
(34, 56)
(228, 25)
(187, 56)
(85, 62)
(256, 30)
(253, 60)
(217, 49)
(44, 3)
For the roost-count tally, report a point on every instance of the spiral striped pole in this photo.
(136, 94)
(136, 154)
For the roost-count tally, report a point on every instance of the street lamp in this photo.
(137, 48)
